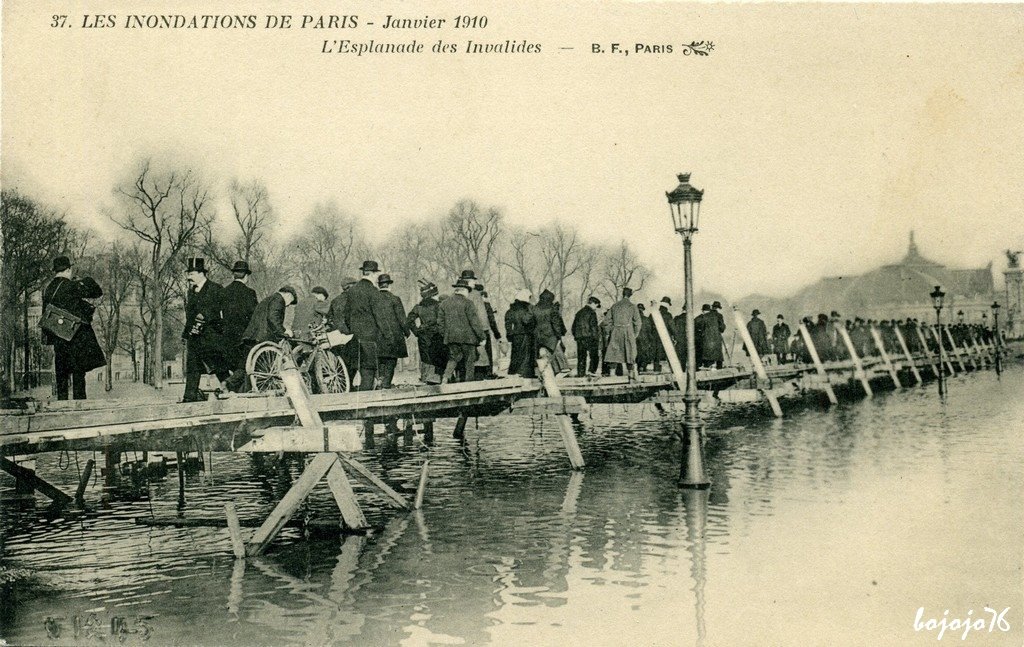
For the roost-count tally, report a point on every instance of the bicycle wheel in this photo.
(263, 367)
(330, 372)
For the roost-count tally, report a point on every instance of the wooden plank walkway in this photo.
(226, 424)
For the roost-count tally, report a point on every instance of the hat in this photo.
(467, 274)
(384, 279)
(61, 263)
(705, 308)
(427, 289)
(347, 281)
(479, 287)
(640, 306)
(780, 317)
(627, 292)
(369, 266)
(195, 264)
(755, 312)
(834, 314)
(461, 283)
(290, 290)
(595, 301)
(523, 295)
(666, 300)
(320, 290)
(241, 266)
(716, 304)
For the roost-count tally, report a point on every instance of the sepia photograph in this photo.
(616, 323)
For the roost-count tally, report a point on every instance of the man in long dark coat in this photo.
(780, 340)
(549, 329)
(659, 349)
(758, 334)
(520, 326)
(679, 326)
(204, 330)
(462, 331)
(716, 309)
(393, 331)
(238, 302)
(422, 322)
(267, 322)
(645, 340)
(360, 317)
(709, 337)
(624, 321)
(73, 358)
(585, 332)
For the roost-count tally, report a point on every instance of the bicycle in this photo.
(320, 368)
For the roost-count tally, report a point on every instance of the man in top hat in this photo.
(422, 322)
(393, 331)
(462, 330)
(780, 339)
(75, 357)
(237, 304)
(360, 312)
(759, 335)
(585, 332)
(204, 330)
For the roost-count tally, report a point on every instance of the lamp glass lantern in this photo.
(684, 202)
(937, 296)
(995, 307)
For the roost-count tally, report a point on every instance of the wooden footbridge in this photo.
(334, 426)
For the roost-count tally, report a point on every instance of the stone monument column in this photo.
(1014, 306)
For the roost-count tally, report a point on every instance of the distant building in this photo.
(901, 290)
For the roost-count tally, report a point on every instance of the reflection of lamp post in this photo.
(937, 296)
(684, 203)
(998, 337)
(695, 515)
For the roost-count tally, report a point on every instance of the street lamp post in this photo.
(684, 203)
(937, 295)
(998, 337)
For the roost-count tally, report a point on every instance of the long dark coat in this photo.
(422, 322)
(659, 348)
(360, 318)
(679, 326)
(549, 325)
(645, 342)
(759, 335)
(267, 322)
(709, 336)
(238, 301)
(83, 350)
(393, 329)
(209, 345)
(780, 338)
(520, 325)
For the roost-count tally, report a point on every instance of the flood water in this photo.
(828, 527)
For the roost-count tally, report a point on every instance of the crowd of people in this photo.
(457, 334)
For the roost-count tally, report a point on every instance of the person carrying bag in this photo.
(67, 326)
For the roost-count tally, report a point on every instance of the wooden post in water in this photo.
(817, 362)
(857, 364)
(351, 514)
(956, 349)
(565, 425)
(885, 357)
(28, 478)
(83, 482)
(755, 360)
(927, 353)
(422, 486)
(670, 349)
(235, 531)
(906, 353)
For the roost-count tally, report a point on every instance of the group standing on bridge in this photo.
(457, 335)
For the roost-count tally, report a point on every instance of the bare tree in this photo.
(622, 268)
(468, 238)
(115, 271)
(327, 247)
(524, 258)
(165, 210)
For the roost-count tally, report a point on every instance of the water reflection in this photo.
(868, 504)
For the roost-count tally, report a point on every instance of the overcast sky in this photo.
(821, 134)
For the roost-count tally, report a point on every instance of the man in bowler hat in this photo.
(360, 311)
(462, 330)
(204, 330)
(237, 305)
(393, 331)
(73, 358)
